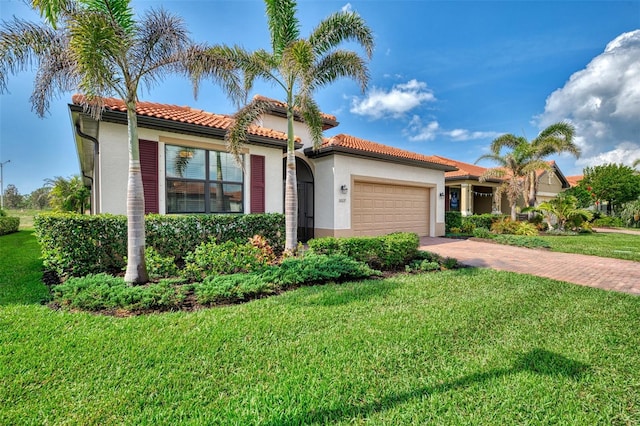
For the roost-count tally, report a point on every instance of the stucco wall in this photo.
(333, 208)
(114, 165)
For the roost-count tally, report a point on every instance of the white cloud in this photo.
(396, 102)
(603, 102)
(625, 153)
(347, 8)
(417, 130)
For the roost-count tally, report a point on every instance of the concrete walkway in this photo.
(600, 272)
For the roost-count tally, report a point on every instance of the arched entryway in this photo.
(304, 176)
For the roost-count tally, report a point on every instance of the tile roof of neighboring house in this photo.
(465, 170)
(352, 145)
(574, 180)
(183, 114)
(329, 121)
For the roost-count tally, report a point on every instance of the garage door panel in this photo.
(379, 208)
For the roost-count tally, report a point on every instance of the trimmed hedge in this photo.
(481, 220)
(452, 219)
(77, 245)
(386, 252)
(9, 225)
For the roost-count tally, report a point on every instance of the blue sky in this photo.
(446, 78)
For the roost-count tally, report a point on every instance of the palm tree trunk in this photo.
(513, 211)
(136, 268)
(291, 188)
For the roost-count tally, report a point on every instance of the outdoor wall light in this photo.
(344, 189)
(442, 195)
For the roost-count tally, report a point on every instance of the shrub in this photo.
(312, 268)
(480, 220)
(76, 245)
(387, 252)
(3, 213)
(482, 233)
(222, 259)
(522, 241)
(105, 292)
(630, 214)
(608, 221)
(159, 266)
(452, 219)
(9, 225)
(507, 226)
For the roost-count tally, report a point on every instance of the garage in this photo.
(380, 208)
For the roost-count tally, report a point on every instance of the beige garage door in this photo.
(379, 208)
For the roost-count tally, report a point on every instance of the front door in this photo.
(304, 176)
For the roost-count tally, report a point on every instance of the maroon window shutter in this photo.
(149, 166)
(257, 184)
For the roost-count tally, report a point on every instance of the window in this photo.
(202, 181)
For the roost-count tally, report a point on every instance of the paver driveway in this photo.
(593, 271)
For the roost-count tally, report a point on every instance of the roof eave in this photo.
(330, 150)
(155, 123)
(280, 111)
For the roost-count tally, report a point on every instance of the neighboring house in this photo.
(346, 187)
(574, 180)
(466, 194)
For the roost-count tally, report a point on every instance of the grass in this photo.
(615, 245)
(471, 346)
(25, 215)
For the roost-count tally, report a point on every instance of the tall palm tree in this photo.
(514, 169)
(100, 49)
(298, 66)
(555, 139)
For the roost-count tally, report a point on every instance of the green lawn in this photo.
(619, 246)
(471, 346)
(26, 216)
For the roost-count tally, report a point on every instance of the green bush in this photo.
(608, 221)
(482, 233)
(3, 213)
(452, 219)
(159, 266)
(387, 252)
(507, 226)
(77, 245)
(9, 224)
(105, 292)
(222, 259)
(522, 241)
(294, 271)
(480, 221)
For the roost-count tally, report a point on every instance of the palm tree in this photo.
(97, 47)
(515, 167)
(636, 163)
(68, 195)
(565, 211)
(555, 139)
(299, 66)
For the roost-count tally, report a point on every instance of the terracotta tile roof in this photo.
(574, 180)
(365, 146)
(183, 114)
(280, 104)
(464, 169)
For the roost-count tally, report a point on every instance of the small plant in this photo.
(608, 221)
(160, 266)
(508, 226)
(223, 259)
(267, 254)
(455, 230)
(452, 219)
(482, 233)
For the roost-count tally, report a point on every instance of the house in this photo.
(347, 187)
(465, 193)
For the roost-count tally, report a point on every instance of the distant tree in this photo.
(39, 199)
(68, 195)
(582, 195)
(12, 197)
(636, 163)
(614, 183)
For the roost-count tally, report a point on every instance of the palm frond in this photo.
(341, 27)
(283, 24)
(236, 135)
(312, 117)
(341, 63)
(25, 45)
(119, 12)
(297, 59)
(506, 141)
